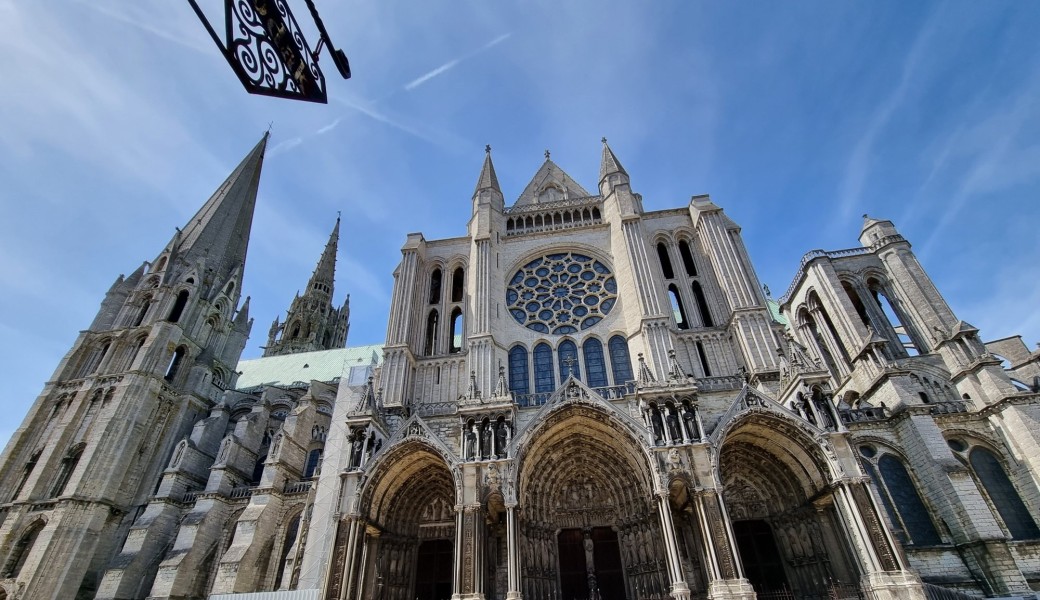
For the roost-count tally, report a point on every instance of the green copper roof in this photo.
(774, 310)
(323, 365)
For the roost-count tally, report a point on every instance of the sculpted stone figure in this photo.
(486, 441)
(471, 443)
(500, 440)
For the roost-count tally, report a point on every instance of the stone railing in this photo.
(433, 409)
(814, 254)
(298, 487)
(610, 392)
(241, 492)
(863, 415)
(564, 214)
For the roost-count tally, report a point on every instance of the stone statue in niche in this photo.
(500, 440)
(690, 420)
(471, 443)
(655, 420)
(357, 447)
(673, 425)
(486, 442)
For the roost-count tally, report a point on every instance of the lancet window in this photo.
(518, 376)
(595, 366)
(620, 362)
(906, 510)
(1003, 495)
(568, 357)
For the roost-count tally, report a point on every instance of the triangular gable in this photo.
(550, 176)
(414, 427)
(752, 400)
(574, 391)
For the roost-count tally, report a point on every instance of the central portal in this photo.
(590, 561)
(433, 571)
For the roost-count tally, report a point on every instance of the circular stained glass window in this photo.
(561, 293)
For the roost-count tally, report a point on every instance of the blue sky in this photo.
(118, 119)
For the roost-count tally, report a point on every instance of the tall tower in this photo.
(160, 352)
(312, 323)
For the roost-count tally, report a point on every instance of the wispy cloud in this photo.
(329, 127)
(411, 85)
(862, 157)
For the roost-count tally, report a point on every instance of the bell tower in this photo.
(160, 352)
(312, 322)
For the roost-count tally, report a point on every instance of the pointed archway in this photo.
(411, 526)
(788, 534)
(589, 521)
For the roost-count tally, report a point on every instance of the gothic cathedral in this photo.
(577, 399)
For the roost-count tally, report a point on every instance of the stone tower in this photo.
(312, 323)
(160, 352)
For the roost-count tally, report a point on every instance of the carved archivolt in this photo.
(410, 488)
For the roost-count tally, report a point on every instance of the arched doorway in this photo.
(589, 522)
(785, 524)
(411, 512)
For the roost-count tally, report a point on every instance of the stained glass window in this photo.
(561, 293)
(595, 368)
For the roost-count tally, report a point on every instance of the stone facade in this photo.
(577, 399)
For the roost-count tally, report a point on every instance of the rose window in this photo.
(561, 293)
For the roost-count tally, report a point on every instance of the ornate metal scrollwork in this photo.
(268, 52)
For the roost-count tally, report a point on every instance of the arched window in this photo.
(178, 306)
(702, 305)
(857, 303)
(595, 367)
(68, 467)
(568, 352)
(431, 334)
(456, 331)
(687, 258)
(907, 502)
(701, 354)
(1003, 495)
(678, 312)
(435, 286)
(620, 363)
(134, 352)
(21, 550)
(145, 305)
(295, 331)
(27, 471)
(895, 319)
(313, 461)
(175, 363)
(666, 263)
(291, 533)
(544, 381)
(518, 378)
(95, 360)
(458, 279)
(258, 470)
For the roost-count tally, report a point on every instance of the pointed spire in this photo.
(488, 179)
(609, 164)
(325, 271)
(219, 232)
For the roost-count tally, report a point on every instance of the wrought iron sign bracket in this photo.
(265, 48)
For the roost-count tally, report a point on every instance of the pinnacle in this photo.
(488, 179)
(609, 163)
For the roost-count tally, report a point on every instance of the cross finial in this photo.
(487, 149)
(270, 124)
(603, 139)
(546, 154)
(569, 361)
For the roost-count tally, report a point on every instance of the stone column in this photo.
(512, 556)
(679, 589)
(456, 580)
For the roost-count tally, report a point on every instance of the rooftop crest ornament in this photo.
(267, 51)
